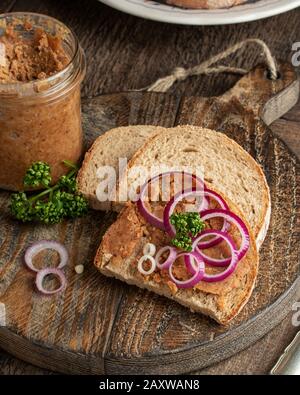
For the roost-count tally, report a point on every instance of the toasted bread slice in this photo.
(122, 246)
(226, 165)
(106, 150)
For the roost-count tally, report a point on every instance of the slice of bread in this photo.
(106, 150)
(227, 167)
(122, 246)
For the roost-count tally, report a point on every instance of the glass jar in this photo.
(40, 119)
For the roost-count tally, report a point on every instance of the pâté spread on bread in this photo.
(206, 259)
(41, 68)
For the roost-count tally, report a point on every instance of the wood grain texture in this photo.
(124, 53)
(289, 132)
(100, 325)
(260, 357)
(6, 5)
(12, 366)
(63, 320)
(268, 99)
(257, 359)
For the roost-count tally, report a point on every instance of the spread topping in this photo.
(39, 96)
(187, 265)
(36, 57)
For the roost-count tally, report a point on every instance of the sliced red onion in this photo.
(211, 278)
(141, 261)
(150, 217)
(204, 204)
(198, 274)
(171, 257)
(207, 193)
(41, 245)
(228, 216)
(225, 227)
(45, 272)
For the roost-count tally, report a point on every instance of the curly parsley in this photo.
(53, 203)
(187, 226)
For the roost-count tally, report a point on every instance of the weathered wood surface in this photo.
(6, 5)
(257, 359)
(99, 325)
(124, 53)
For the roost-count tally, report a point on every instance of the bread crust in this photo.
(205, 4)
(86, 178)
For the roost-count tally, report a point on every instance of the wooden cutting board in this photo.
(99, 325)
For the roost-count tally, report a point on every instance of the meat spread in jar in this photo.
(41, 68)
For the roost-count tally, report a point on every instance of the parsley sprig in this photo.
(187, 225)
(53, 203)
(38, 174)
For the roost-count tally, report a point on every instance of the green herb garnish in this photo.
(52, 204)
(37, 175)
(187, 225)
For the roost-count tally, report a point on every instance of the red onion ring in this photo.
(41, 245)
(171, 258)
(223, 204)
(197, 275)
(45, 272)
(211, 278)
(233, 218)
(170, 207)
(151, 218)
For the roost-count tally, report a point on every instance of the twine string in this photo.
(180, 73)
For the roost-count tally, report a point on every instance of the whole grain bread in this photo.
(227, 167)
(120, 251)
(106, 150)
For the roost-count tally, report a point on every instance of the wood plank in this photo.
(289, 132)
(6, 5)
(259, 358)
(12, 366)
(63, 321)
(125, 52)
(293, 114)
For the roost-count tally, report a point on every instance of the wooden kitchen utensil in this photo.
(98, 325)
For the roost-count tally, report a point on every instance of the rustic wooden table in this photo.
(125, 52)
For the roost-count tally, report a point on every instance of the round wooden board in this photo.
(99, 325)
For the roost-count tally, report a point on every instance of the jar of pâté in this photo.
(42, 66)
